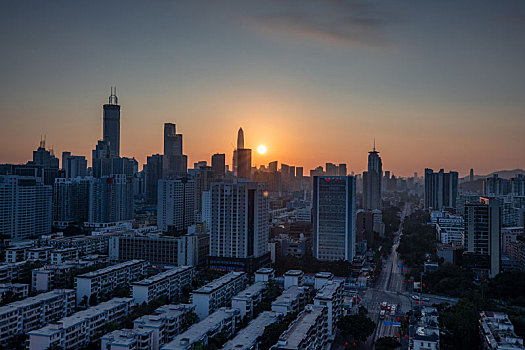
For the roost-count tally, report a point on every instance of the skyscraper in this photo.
(373, 182)
(239, 223)
(483, 235)
(71, 201)
(176, 208)
(111, 199)
(334, 217)
(175, 163)
(75, 166)
(153, 171)
(441, 189)
(242, 158)
(25, 207)
(218, 164)
(111, 124)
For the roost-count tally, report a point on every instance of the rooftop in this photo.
(77, 317)
(160, 276)
(125, 337)
(164, 312)
(218, 283)
(296, 273)
(254, 289)
(299, 328)
(34, 300)
(248, 335)
(110, 269)
(498, 331)
(288, 295)
(328, 291)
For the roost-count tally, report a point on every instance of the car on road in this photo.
(415, 297)
(426, 299)
(384, 305)
(382, 314)
(393, 309)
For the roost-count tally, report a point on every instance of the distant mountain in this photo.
(505, 174)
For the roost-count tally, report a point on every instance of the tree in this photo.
(84, 302)
(460, 322)
(387, 343)
(359, 326)
(93, 300)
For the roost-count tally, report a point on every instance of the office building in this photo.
(250, 336)
(111, 199)
(175, 163)
(334, 218)
(76, 166)
(441, 189)
(71, 201)
(242, 158)
(170, 283)
(111, 124)
(224, 321)
(31, 313)
(176, 204)
(497, 332)
(81, 328)
(104, 281)
(218, 293)
(248, 299)
(483, 235)
(25, 207)
(153, 170)
(308, 331)
(373, 182)
(218, 164)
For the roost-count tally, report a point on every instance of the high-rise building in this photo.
(111, 199)
(44, 158)
(111, 124)
(65, 154)
(331, 169)
(242, 158)
(341, 169)
(441, 189)
(75, 166)
(176, 204)
(218, 164)
(373, 182)
(175, 162)
(71, 201)
(334, 217)
(299, 172)
(239, 222)
(483, 234)
(25, 207)
(153, 170)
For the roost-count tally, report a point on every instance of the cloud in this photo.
(338, 22)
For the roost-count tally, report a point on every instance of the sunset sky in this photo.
(438, 84)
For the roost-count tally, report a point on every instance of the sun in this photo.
(261, 149)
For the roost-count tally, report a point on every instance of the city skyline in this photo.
(311, 88)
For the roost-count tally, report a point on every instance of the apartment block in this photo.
(128, 339)
(308, 332)
(11, 271)
(423, 331)
(106, 280)
(170, 283)
(34, 312)
(292, 300)
(59, 256)
(249, 337)
(331, 296)
(497, 332)
(218, 293)
(81, 328)
(19, 290)
(248, 299)
(223, 321)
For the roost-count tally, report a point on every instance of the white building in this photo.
(222, 321)
(170, 283)
(26, 206)
(175, 204)
(34, 312)
(218, 293)
(106, 280)
(293, 278)
(321, 279)
(39, 253)
(424, 332)
(308, 331)
(497, 332)
(266, 274)
(331, 296)
(16, 254)
(249, 337)
(451, 229)
(81, 328)
(249, 298)
(292, 300)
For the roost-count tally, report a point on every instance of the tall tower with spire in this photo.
(373, 181)
(111, 124)
(242, 158)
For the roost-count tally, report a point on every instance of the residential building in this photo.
(334, 218)
(25, 206)
(331, 297)
(218, 293)
(153, 170)
(128, 339)
(248, 299)
(176, 204)
(170, 283)
(497, 332)
(293, 278)
(266, 274)
(17, 290)
(10, 272)
(58, 256)
(292, 300)
(70, 201)
(76, 166)
(308, 331)
(223, 321)
(31, 313)
(218, 164)
(441, 189)
(424, 329)
(250, 336)
(81, 328)
(111, 199)
(104, 281)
